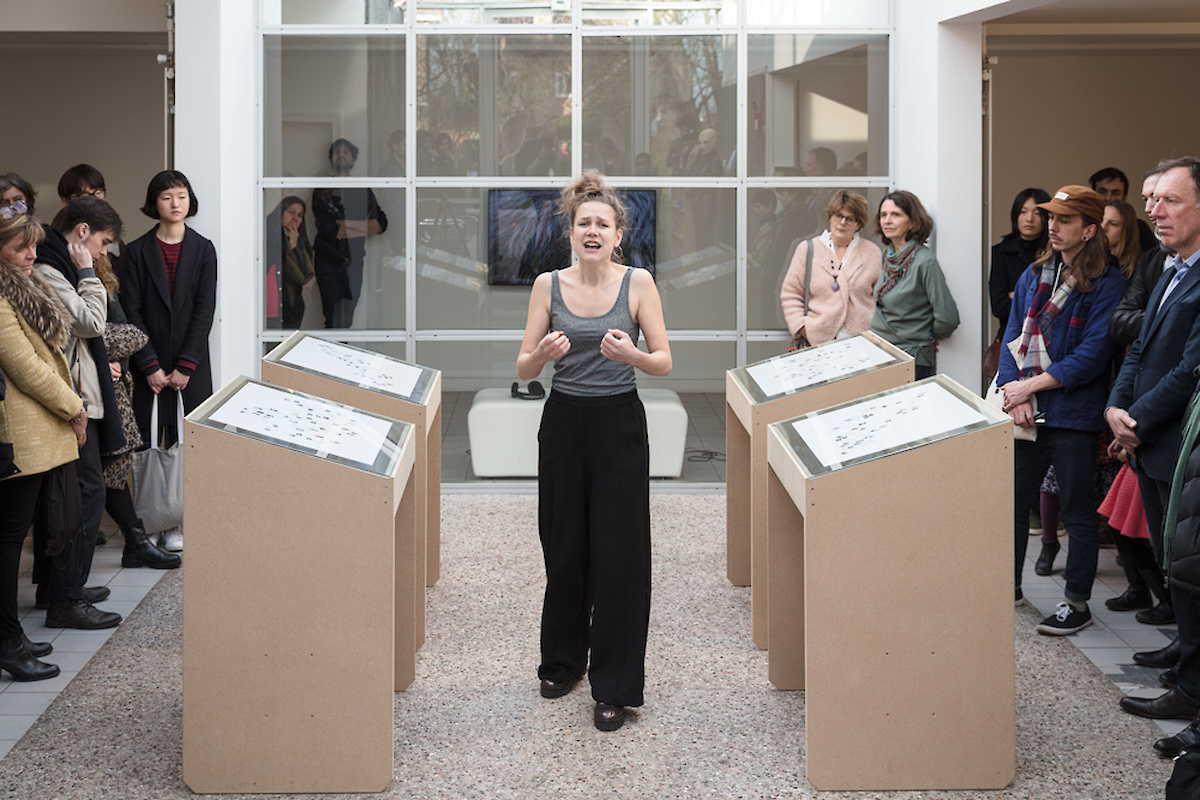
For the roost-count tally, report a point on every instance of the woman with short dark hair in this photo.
(169, 291)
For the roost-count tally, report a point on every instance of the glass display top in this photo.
(813, 366)
(882, 424)
(307, 424)
(355, 366)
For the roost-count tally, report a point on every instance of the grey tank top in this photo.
(583, 370)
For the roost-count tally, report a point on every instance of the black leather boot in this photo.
(21, 664)
(38, 649)
(1045, 562)
(139, 552)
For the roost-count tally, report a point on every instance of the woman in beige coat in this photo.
(836, 299)
(41, 415)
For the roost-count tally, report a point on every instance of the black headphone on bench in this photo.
(535, 392)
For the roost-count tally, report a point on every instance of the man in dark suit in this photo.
(1148, 404)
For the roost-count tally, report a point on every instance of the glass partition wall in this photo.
(411, 150)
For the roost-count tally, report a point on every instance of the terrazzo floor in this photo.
(472, 725)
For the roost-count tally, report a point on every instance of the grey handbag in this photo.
(158, 478)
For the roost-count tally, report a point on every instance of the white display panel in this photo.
(815, 365)
(886, 422)
(303, 422)
(353, 365)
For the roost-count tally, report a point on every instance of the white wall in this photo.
(1057, 118)
(98, 106)
(89, 16)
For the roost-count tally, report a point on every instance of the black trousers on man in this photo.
(594, 522)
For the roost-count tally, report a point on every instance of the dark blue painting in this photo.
(526, 237)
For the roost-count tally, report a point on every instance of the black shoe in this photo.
(80, 614)
(1020, 601)
(1186, 739)
(1066, 619)
(96, 594)
(21, 664)
(1130, 600)
(1173, 704)
(608, 717)
(1045, 562)
(38, 649)
(1164, 658)
(553, 689)
(1169, 679)
(1161, 614)
(140, 552)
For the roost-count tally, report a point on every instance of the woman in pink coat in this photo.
(837, 299)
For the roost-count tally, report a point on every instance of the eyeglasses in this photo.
(844, 218)
(14, 209)
(93, 192)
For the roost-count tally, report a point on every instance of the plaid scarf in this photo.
(1030, 348)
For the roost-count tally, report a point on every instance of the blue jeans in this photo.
(1074, 455)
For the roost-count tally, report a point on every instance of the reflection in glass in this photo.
(319, 89)
(493, 105)
(341, 12)
(777, 220)
(680, 12)
(452, 267)
(818, 105)
(492, 12)
(678, 117)
(356, 281)
(849, 13)
(697, 257)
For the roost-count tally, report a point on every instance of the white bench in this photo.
(503, 433)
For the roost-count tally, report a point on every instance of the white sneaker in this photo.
(172, 540)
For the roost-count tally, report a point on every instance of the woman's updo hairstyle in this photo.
(590, 187)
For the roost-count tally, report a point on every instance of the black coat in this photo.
(1157, 378)
(1126, 320)
(1008, 262)
(1181, 534)
(178, 323)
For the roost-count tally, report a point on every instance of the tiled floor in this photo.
(1113, 637)
(1109, 643)
(703, 459)
(22, 703)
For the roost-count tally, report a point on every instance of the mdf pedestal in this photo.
(749, 409)
(298, 603)
(891, 579)
(354, 378)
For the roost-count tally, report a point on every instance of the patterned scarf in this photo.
(895, 267)
(1030, 349)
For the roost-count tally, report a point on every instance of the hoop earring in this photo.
(617, 252)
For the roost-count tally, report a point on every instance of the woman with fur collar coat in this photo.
(41, 415)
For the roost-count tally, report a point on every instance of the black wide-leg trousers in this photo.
(594, 523)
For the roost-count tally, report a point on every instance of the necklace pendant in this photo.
(835, 286)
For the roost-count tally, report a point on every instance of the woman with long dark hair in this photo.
(1013, 254)
(289, 262)
(593, 455)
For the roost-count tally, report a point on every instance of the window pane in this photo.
(452, 279)
(493, 12)
(857, 13)
(677, 117)
(776, 220)
(696, 258)
(471, 366)
(823, 93)
(341, 12)
(322, 281)
(695, 367)
(319, 89)
(660, 12)
(493, 105)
